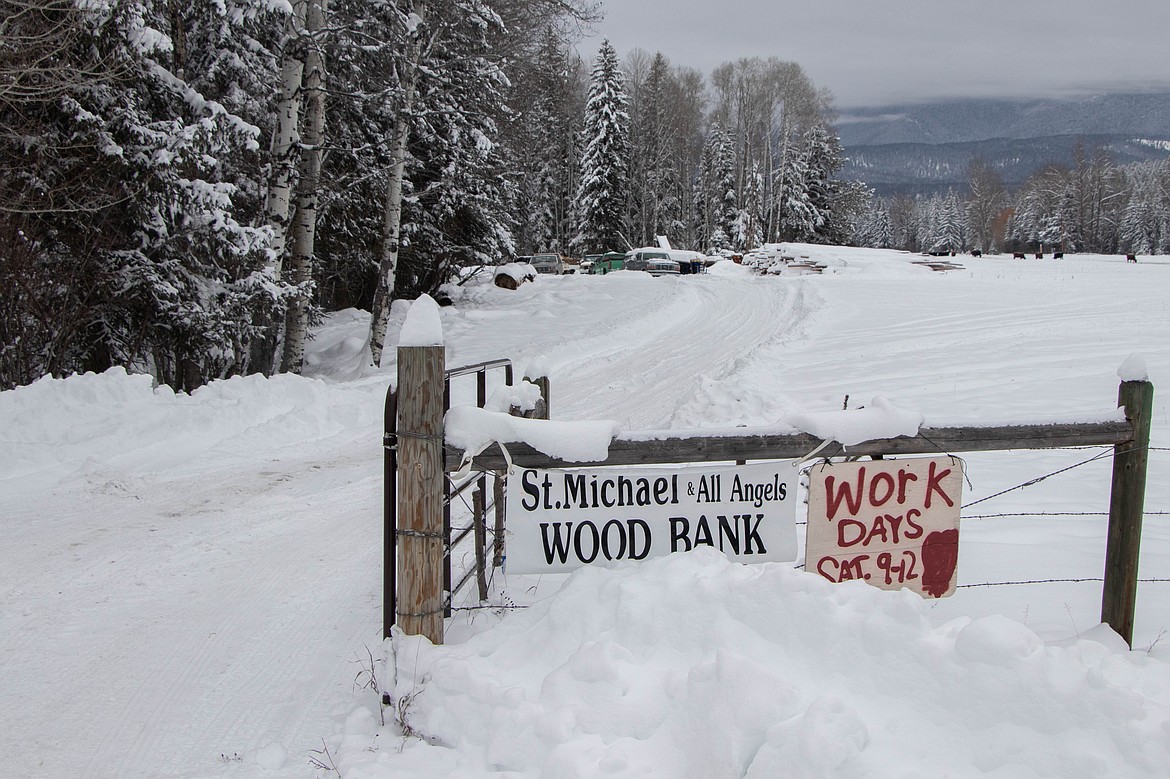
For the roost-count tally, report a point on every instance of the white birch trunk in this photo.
(304, 225)
(282, 160)
(284, 139)
(392, 214)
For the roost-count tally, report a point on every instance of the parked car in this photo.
(548, 264)
(604, 263)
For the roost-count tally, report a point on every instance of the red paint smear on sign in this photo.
(940, 555)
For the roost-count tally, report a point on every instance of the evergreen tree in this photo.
(796, 212)
(543, 149)
(717, 196)
(823, 160)
(875, 229)
(1145, 223)
(749, 224)
(947, 224)
(601, 195)
(150, 261)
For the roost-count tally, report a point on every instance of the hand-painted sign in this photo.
(561, 520)
(892, 523)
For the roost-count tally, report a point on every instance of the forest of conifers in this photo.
(186, 186)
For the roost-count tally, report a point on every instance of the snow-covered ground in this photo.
(191, 585)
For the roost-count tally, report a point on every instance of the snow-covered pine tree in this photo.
(1145, 223)
(875, 229)
(461, 202)
(601, 195)
(797, 213)
(717, 206)
(158, 269)
(947, 224)
(660, 165)
(540, 139)
(824, 158)
(749, 224)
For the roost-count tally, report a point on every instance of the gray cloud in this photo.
(912, 50)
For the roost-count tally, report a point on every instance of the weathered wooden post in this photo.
(1126, 504)
(479, 520)
(420, 472)
(498, 534)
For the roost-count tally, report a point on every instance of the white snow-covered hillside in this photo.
(191, 585)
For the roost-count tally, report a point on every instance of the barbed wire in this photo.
(492, 607)
(1055, 581)
(1038, 479)
(1057, 514)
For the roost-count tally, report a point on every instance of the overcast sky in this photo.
(875, 53)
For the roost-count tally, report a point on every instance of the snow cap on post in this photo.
(537, 369)
(1134, 369)
(422, 326)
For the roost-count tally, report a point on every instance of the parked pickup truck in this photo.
(664, 262)
(548, 263)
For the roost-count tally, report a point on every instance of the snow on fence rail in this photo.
(418, 461)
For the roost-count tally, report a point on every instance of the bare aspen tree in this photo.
(304, 226)
(284, 139)
(392, 212)
(282, 163)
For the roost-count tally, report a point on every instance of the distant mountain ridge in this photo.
(926, 148)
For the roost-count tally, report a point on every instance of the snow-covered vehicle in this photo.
(662, 262)
(656, 262)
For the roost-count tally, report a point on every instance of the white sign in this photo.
(892, 523)
(561, 520)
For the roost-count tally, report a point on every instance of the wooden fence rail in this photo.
(938, 440)
(422, 471)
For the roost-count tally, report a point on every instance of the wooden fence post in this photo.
(420, 491)
(1126, 504)
(479, 520)
(498, 529)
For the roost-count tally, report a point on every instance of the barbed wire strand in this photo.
(1038, 479)
(1058, 514)
(1055, 581)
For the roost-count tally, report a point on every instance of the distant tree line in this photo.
(745, 157)
(186, 187)
(1089, 205)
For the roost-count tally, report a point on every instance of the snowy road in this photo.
(197, 618)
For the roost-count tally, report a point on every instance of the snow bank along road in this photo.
(189, 583)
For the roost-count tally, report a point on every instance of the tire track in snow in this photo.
(198, 693)
(650, 370)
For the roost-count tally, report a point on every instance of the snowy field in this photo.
(191, 585)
